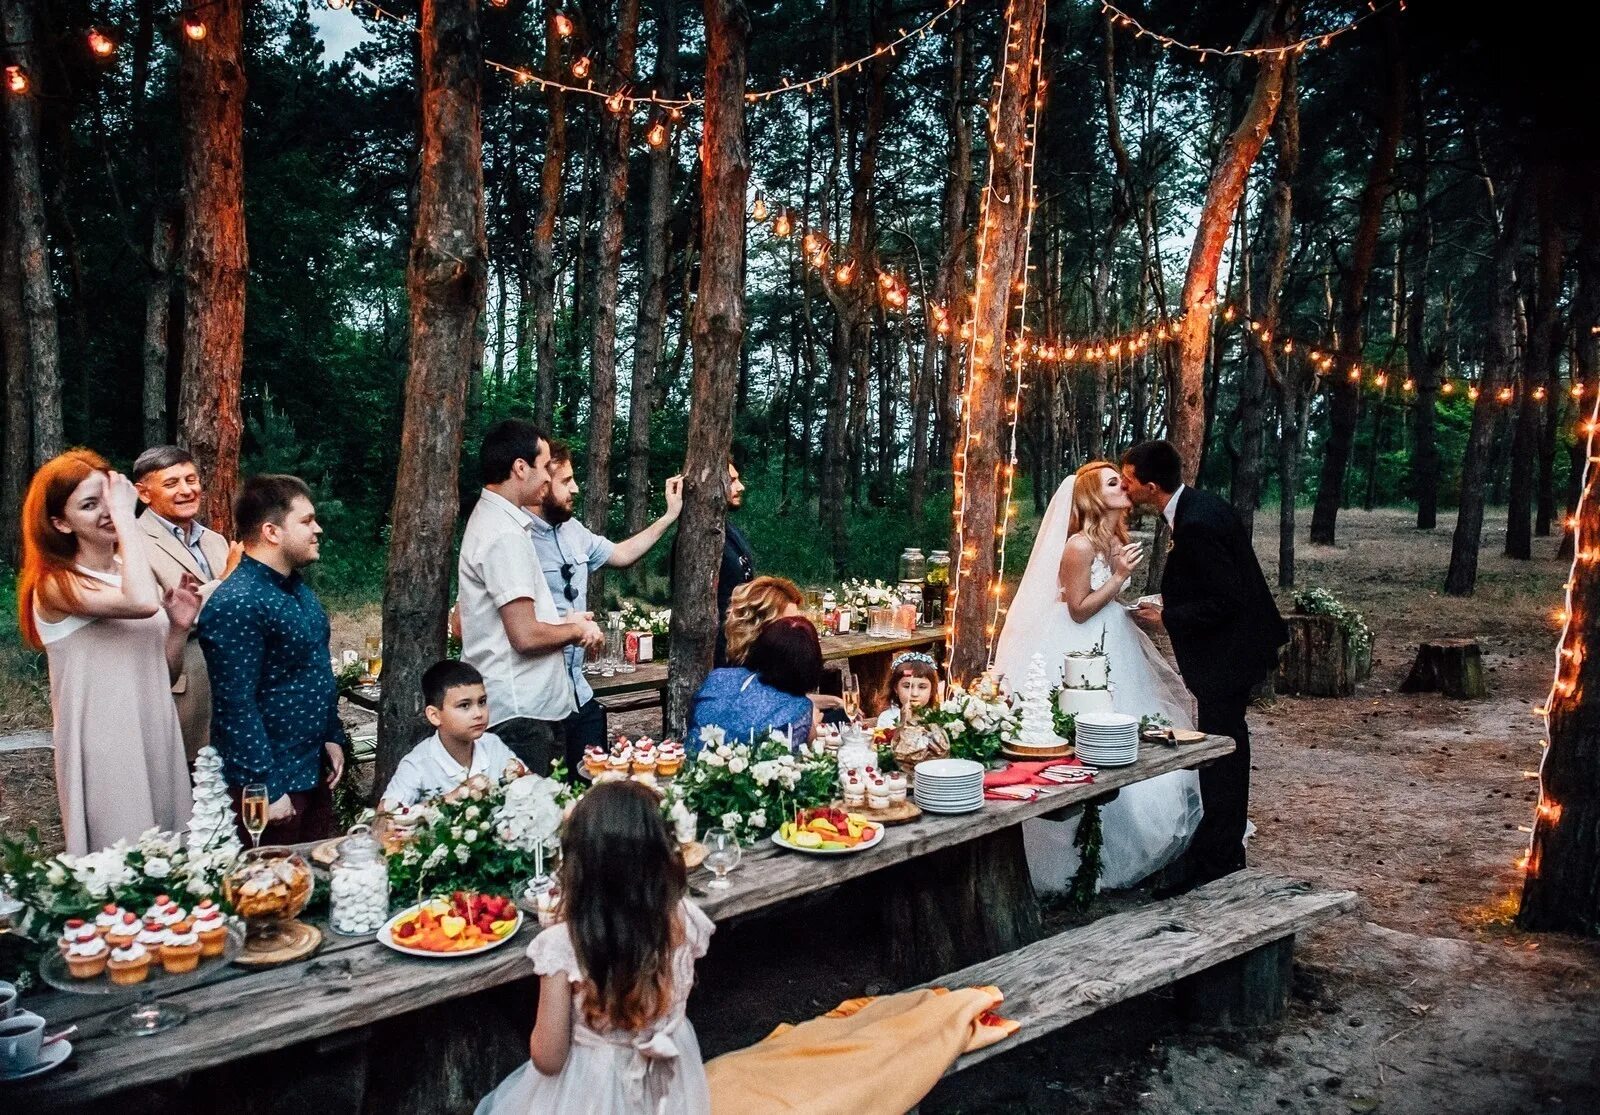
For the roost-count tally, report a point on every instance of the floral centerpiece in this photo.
(977, 723)
(860, 594)
(486, 836)
(750, 788)
(641, 617)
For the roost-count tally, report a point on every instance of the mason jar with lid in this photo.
(358, 886)
(936, 588)
(913, 566)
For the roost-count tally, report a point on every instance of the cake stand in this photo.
(148, 1015)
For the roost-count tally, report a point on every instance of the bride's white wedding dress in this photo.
(1149, 824)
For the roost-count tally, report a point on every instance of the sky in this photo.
(340, 30)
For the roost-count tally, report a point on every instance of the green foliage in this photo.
(1321, 602)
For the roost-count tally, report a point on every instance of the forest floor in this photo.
(1427, 999)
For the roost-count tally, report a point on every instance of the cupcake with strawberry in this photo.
(75, 930)
(108, 917)
(125, 931)
(182, 950)
(129, 964)
(87, 956)
(644, 757)
(669, 758)
(212, 928)
(154, 938)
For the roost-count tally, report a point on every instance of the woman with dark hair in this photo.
(86, 596)
(611, 1036)
(769, 692)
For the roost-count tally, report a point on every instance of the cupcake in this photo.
(129, 964)
(669, 759)
(125, 931)
(212, 928)
(87, 958)
(161, 903)
(154, 938)
(896, 783)
(108, 917)
(182, 951)
(74, 931)
(595, 759)
(644, 759)
(172, 914)
(621, 760)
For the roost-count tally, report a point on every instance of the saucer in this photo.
(50, 1057)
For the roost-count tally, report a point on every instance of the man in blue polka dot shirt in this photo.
(274, 701)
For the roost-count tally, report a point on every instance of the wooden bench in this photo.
(1227, 946)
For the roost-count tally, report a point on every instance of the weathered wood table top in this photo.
(352, 982)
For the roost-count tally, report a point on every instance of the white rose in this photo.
(56, 875)
(712, 759)
(737, 764)
(157, 868)
(469, 836)
(731, 820)
(758, 819)
(463, 853)
(455, 832)
(472, 812)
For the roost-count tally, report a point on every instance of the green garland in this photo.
(1086, 881)
(1321, 602)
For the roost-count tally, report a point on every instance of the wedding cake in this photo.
(1038, 730)
(1085, 683)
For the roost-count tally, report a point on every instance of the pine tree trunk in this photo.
(211, 86)
(1345, 403)
(1423, 360)
(25, 221)
(980, 460)
(15, 459)
(447, 278)
(1561, 889)
(1292, 379)
(1499, 360)
(542, 269)
(616, 132)
(1260, 365)
(1186, 402)
(653, 300)
(1544, 348)
(157, 323)
(718, 332)
(1105, 262)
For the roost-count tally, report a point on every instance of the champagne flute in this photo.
(375, 656)
(850, 691)
(722, 856)
(254, 803)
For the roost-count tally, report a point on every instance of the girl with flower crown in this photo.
(914, 684)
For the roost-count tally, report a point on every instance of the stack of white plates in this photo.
(1106, 739)
(949, 785)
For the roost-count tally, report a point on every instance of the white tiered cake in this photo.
(1037, 731)
(1086, 684)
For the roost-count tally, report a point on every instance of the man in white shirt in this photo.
(458, 708)
(511, 631)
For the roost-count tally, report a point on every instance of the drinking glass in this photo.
(253, 804)
(850, 691)
(722, 856)
(374, 657)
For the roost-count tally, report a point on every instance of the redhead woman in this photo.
(86, 596)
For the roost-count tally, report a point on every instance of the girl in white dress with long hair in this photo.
(1068, 601)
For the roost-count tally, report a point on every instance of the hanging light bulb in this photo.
(676, 114)
(336, 4)
(581, 67)
(563, 25)
(1504, 394)
(657, 136)
(812, 243)
(193, 28)
(100, 43)
(498, 3)
(758, 211)
(844, 274)
(1447, 388)
(782, 225)
(616, 103)
(1472, 393)
(16, 79)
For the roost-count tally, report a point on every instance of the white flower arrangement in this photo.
(751, 787)
(863, 594)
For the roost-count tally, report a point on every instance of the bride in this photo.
(1067, 601)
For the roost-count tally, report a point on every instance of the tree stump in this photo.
(1319, 660)
(1451, 666)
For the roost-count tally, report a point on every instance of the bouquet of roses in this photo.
(976, 723)
(639, 617)
(485, 835)
(750, 788)
(863, 594)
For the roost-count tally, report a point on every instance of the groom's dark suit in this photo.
(1226, 632)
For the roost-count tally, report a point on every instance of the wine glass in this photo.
(722, 856)
(850, 691)
(254, 803)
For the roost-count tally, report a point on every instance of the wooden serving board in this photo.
(898, 813)
(295, 941)
(1036, 755)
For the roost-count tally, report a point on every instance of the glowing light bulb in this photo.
(783, 225)
(1472, 393)
(844, 274)
(1504, 394)
(657, 136)
(616, 103)
(16, 79)
(758, 211)
(1447, 388)
(100, 43)
(581, 67)
(498, 3)
(563, 25)
(194, 28)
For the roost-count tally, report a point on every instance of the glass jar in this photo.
(358, 885)
(913, 566)
(936, 588)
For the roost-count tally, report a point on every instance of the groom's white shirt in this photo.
(1170, 511)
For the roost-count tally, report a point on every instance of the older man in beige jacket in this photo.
(180, 546)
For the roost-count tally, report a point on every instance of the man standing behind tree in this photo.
(178, 544)
(275, 703)
(738, 564)
(568, 552)
(511, 630)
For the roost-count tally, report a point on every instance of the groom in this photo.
(1225, 632)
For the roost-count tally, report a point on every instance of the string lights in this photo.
(1322, 41)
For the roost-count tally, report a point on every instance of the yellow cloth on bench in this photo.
(864, 1056)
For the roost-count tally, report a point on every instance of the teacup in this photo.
(8, 999)
(21, 1037)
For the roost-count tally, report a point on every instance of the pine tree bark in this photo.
(1094, 409)
(979, 458)
(25, 221)
(15, 457)
(1544, 348)
(211, 84)
(157, 324)
(447, 278)
(1345, 403)
(718, 335)
(616, 132)
(1186, 398)
(1499, 359)
(541, 256)
(1585, 352)
(1292, 379)
(1422, 359)
(648, 342)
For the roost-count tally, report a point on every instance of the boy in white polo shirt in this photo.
(458, 706)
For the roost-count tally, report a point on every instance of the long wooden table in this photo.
(355, 983)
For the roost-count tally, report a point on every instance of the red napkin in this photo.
(1018, 776)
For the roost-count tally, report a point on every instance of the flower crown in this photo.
(911, 656)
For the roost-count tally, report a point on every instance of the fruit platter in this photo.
(828, 831)
(459, 924)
